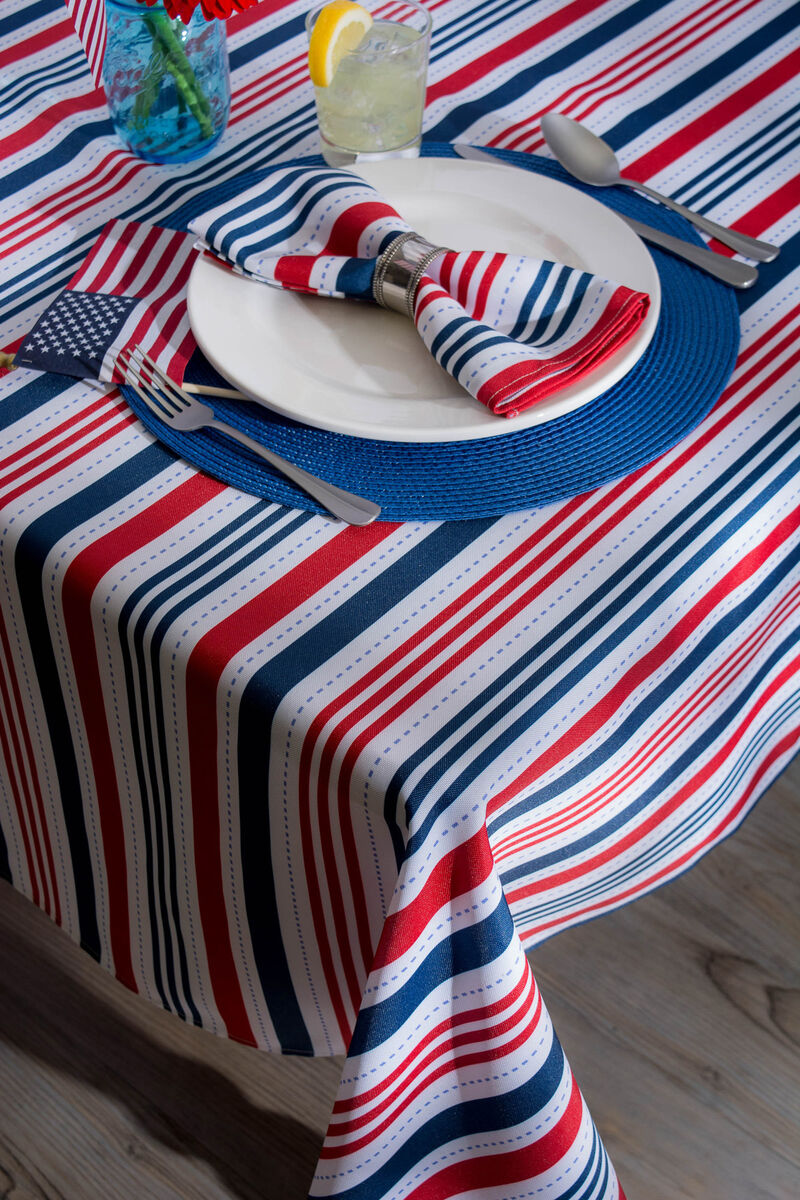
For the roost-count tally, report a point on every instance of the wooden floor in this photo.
(680, 1015)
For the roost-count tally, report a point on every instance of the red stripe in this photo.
(102, 260)
(786, 746)
(335, 737)
(82, 452)
(462, 870)
(479, 307)
(468, 269)
(454, 1062)
(580, 107)
(35, 43)
(480, 65)
(492, 1171)
(348, 228)
(397, 682)
(768, 335)
(712, 120)
(206, 662)
(75, 426)
(56, 206)
(658, 743)
(58, 112)
(468, 1017)
(140, 248)
(568, 101)
(80, 581)
(648, 663)
(767, 212)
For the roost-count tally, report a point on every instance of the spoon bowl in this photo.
(591, 160)
(581, 152)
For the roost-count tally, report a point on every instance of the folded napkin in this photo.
(511, 330)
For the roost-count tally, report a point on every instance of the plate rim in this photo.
(494, 426)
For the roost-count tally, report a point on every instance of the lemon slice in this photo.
(338, 29)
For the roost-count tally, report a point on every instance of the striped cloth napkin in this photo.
(510, 330)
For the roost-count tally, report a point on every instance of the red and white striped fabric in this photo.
(319, 790)
(89, 19)
(512, 331)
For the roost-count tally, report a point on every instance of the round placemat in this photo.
(667, 393)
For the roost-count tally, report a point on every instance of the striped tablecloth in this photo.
(319, 789)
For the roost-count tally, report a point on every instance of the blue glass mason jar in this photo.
(167, 84)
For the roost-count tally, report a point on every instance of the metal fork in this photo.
(174, 406)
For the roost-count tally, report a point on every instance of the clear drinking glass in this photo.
(373, 106)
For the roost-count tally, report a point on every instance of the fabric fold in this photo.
(511, 330)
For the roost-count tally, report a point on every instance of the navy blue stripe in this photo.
(25, 399)
(546, 315)
(569, 313)
(771, 274)
(535, 290)
(469, 1118)
(707, 181)
(641, 578)
(446, 332)
(28, 13)
(545, 68)
(466, 950)
(273, 39)
(644, 117)
(32, 550)
(66, 150)
(152, 760)
(237, 225)
(462, 31)
(698, 819)
(722, 630)
(260, 701)
(166, 202)
(715, 71)
(470, 335)
(38, 83)
(355, 278)
(466, 360)
(592, 1182)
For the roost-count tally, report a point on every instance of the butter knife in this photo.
(728, 270)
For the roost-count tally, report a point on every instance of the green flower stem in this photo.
(148, 92)
(176, 62)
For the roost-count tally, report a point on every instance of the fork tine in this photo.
(161, 405)
(180, 398)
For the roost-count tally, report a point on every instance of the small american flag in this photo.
(131, 290)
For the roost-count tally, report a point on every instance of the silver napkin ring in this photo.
(400, 268)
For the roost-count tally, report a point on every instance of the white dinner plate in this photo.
(357, 369)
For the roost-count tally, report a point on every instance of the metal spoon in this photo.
(592, 160)
(729, 270)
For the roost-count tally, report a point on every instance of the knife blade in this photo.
(728, 270)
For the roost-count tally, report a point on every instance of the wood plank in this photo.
(681, 1021)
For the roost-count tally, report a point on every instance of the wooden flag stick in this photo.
(7, 362)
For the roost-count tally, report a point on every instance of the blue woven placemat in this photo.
(668, 392)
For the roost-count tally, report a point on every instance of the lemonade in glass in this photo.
(372, 104)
